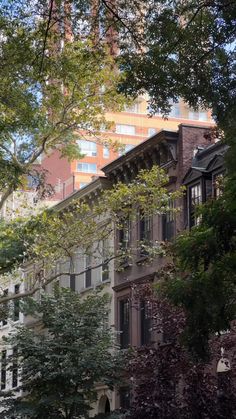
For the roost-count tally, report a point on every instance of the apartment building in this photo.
(129, 128)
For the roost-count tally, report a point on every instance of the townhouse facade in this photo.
(189, 160)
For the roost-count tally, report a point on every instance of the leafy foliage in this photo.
(166, 382)
(68, 349)
(55, 235)
(203, 279)
(55, 89)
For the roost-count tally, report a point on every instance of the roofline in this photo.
(161, 135)
(182, 124)
(97, 183)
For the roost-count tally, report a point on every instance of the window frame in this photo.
(145, 322)
(125, 129)
(193, 219)
(89, 151)
(124, 322)
(88, 167)
(88, 272)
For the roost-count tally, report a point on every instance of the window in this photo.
(125, 129)
(125, 149)
(16, 307)
(5, 308)
(88, 148)
(197, 115)
(168, 223)
(124, 237)
(88, 271)
(134, 108)
(145, 233)
(14, 368)
(124, 398)
(87, 167)
(124, 323)
(105, 264)
(195, 198)
(3, 370)
(124, 234)
(218, 185)
(146, 322)
(151, 131)
(175, 110)
(72, 282)
(106, 152)
(83, 184)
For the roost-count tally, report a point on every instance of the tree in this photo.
(202, 278)
(54, 235)
(165, 381)
(55, 89)
(66, 351)
(194, 41)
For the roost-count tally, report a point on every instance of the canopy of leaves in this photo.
(165, 382)
(203, 279)
(63, 355)
(54, 235)
(55, 89)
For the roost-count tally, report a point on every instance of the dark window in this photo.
(195, 199)
(105, 263)
(15, 368)
(16, 308)
(207, 189)
(145, 233)
(146, 322)
(124, 323)
(72, 282)
(124, 240)
(88, 272)
(124, 398)
(168, 223)
(217, 185)
(5, 308)
(3, 370)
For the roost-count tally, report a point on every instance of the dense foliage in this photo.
(56, 235)
(55, 89)
(166, 382)
(65, 352)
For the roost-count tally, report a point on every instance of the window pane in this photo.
(151, 131)
(105, 263)
(15, 368)
(124, 323)
(88, 273)
(3, 369)
(125, 129)
(195, 199)
(106, 152)
(16, 309)
(87, 167)
(146, 322)
(145, 233)
(88, 148)
(126, 148)
(83, 184)
(134, 108)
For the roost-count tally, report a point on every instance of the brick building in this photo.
(130, 128)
